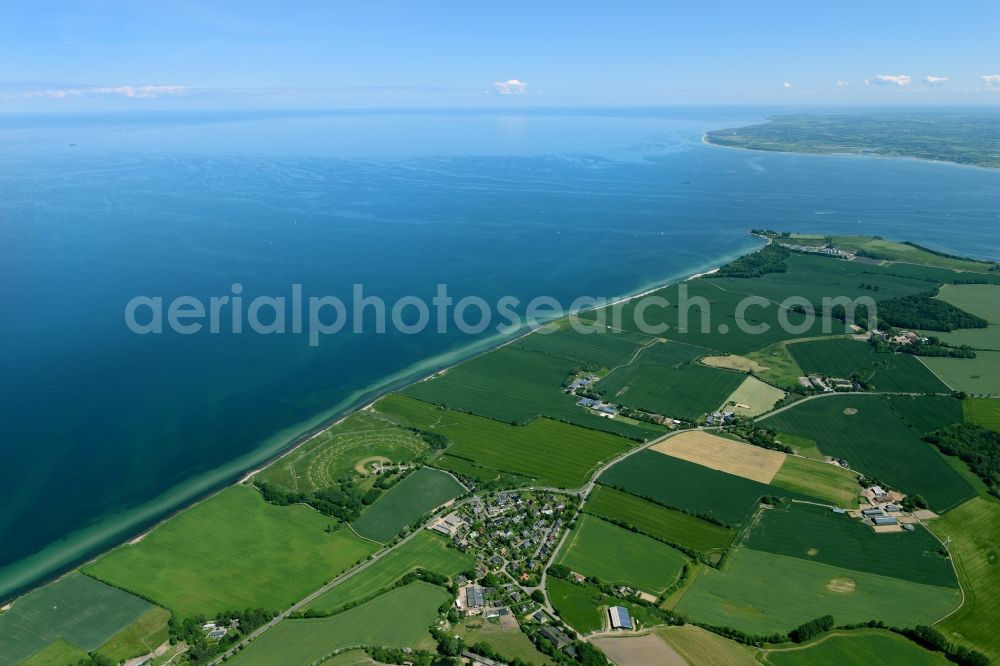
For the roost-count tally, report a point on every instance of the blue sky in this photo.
(57, 55)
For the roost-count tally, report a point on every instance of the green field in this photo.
(59, 653)
(973, 532)
(398, 618)
(420, 492)
(978, 376)
(856, 648)
(982, 300)
(233, 551)
(723, 298)
(594, 351)
(876, 442)
(926, 413)
(578, 605)
(425, 550)
(679, 484)
(982, 411)
(516, 386)
(506, 638)
(687, 392)
(597, 548)
(762, 593)
(658, 521)
(320, 460)
(553, 453)
(820, 479)
(885, 372)
(76, 608)
(140, 638)
(817, 534)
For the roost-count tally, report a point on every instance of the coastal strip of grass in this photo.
(233, 551)
(75, 609)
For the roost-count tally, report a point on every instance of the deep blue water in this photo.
(104, 430)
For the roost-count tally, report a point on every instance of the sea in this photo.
(106, 431)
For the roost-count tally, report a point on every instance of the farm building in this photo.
(620, 618)
(869, 513)
(883, 520)
(557, 636)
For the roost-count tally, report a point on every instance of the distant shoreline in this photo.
(821, 153)
(234, 473)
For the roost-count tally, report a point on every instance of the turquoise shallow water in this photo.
(105, 431)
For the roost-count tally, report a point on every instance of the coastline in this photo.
(132, 525)
(904, 158)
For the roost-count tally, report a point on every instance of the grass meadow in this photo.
(864, 430)
(59, 653)
(762, 593)
(421, 491)
(426, 550)
(230, 552)
(76, 609)
(398, 618)
(855, 647)
(973, 534)
(597, 548)
(976, 376)
(982, 411)
(658, 521)
(578, 605)
(822, 480)
(551, 452)
(142, 637)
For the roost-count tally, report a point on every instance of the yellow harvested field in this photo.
(732, 362)
(725, 455)
(698, 646)
(628, 650)
(753, 397)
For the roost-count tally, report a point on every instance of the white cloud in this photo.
(930, 79)
(786, 84)
(890, 80)
(841, 84)
(510, 87)
(139, 92)
(991, 80)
